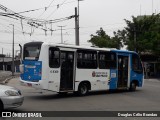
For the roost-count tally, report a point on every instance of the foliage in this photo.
(102, 40)
(143, 34)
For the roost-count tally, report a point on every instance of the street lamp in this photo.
(13, 52)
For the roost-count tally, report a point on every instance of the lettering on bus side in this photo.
(99, 74)
(54, 71)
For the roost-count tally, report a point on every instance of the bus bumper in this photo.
(36, 85)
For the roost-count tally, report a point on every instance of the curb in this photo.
(7, 79)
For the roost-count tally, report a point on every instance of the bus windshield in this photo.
(31, 52)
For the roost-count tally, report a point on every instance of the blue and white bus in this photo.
(67, 68)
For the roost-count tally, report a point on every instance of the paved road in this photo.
(144, 99)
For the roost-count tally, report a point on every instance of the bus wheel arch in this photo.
(133, 85)
(84, 87)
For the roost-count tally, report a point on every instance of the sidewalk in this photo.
(7, 75)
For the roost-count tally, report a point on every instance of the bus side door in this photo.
(54, 69)
(67, 70)
(123, 70)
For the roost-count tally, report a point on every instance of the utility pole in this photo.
(13, 69)
(61, 33)
(77, 41)
(76, 27)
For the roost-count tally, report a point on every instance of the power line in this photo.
(33, 10)
(50, 4)
(101, 25)
(5, 48)
(8, 43)
(11, 13)
(45, 9)
(58, 6)
(61, 19)
(36, 23)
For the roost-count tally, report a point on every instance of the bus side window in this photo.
(107, 60)
(54, 61)
(86, 59)
(102, 61)
(136, 64)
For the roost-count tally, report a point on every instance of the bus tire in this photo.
(83, 89)
(1, 106)
(132, 86)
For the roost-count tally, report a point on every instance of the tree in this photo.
(143, 34)
(118, 38)
(102, 40)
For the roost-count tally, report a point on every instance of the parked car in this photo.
(10, 97)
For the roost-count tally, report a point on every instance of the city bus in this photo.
(67, 68)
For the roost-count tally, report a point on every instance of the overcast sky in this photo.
(108, 14)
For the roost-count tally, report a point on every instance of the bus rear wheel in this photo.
(83, 89)
(132, 86)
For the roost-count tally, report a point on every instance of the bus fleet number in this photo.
(54, 71)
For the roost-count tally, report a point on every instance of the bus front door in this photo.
(122, 71)
(67, 69)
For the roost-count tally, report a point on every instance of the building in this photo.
(151, 64)
(6, 63)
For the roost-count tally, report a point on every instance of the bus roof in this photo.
(124, 51)
(88, 47)
(79, 47)
(82, 47)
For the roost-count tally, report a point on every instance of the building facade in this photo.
(6, 63)
(151, 64)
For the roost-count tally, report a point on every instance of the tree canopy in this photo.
(102, 40)
(142, 34)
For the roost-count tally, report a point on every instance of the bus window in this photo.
(54, 58)
(86, 59)
(31, 52)
(107, 60)
(136, 64)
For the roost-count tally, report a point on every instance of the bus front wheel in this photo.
(132, 86)
(82, 89)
